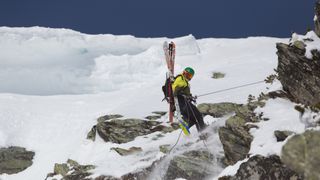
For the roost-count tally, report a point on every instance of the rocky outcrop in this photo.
(259, 167)
(317, 19)
(195, 165)
(157, 115)
(71, 171)
(126, 130)
(15, 159)
(299, 76)
(236, 139)
(122, 131)
(218, 109)
(302, 154)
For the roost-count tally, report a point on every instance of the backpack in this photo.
(167, 88)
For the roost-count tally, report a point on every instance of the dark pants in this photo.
(190, 113)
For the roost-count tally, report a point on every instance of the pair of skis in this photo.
(170, 52)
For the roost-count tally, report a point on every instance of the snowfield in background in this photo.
(55, 83)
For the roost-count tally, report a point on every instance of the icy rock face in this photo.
(259, 167)
(302, 154)
(317, 18)
(299, 76)
(191, 165)
(15, 159)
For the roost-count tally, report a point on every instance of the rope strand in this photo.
(236, 87)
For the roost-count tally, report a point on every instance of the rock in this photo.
(218, 110)
(160, 113)
(61, 169)
(299, 76)
(92, 134)
(259, 167)
(218, 75)
(164, 148)
(108, 117)
(72, 170)
(300, 45)
(317, 19)
(15, 159)
(123, 131)
(302, 154)
(236, 144)
(191, 165)
(282, 135)
(126, 152)
(153, 117)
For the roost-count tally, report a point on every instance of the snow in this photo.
(55, 83)
(311, 40)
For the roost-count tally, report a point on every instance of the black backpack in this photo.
(167, 89)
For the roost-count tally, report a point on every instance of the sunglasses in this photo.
(188, 75)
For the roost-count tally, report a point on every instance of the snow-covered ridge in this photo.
(109, 74)
(45, 61)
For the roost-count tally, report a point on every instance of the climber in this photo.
(181, 89)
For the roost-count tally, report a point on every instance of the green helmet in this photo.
(189, 70)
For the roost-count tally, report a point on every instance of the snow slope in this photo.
(55, 83)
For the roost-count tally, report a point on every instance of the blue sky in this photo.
(164, 18)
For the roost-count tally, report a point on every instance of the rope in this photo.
(236, 87)
(176, 142)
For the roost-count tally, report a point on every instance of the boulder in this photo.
(299, 76)
(302, 154)
(282, 135)
(218, 109)
(191, 165)
(15, 159)
(123, 131)
(259, 167)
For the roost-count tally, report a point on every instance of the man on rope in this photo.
(181, 89)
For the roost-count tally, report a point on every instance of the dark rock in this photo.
(282, 135)
(92, 134)
(302, 154)
(317, 19)
(122, 131)
(109, 117)
(153, 117)
(259, 167)
(160, 113)
(236, 143)
(218, 75)
(15, 159)
(191, 165)
(218, 110)
(72, 171)
(126, 152)
(299, 76)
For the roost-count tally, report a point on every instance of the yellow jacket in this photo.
(181, 86)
